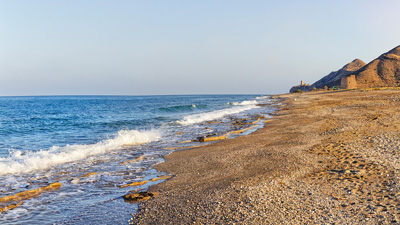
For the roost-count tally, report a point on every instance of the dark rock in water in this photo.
(29, 194)
(140, 196)
(161, 178)
(10, 207)
(199, 139)
(208, 138)
(134, 184)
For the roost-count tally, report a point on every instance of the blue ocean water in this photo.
(50, 139)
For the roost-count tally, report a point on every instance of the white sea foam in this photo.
(208, 116)
(20, 162)
(253, 102)
(249, 102)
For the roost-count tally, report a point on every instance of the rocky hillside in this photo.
(303, 88)
(381, 72)
(333, 79)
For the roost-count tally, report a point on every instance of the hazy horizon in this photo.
(130, 95)
(183, 48)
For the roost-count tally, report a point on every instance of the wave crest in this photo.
(208, 116)
(20, 162)
(253, 102)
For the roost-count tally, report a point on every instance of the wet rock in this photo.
(52, 187)
(139, 196)
(134, 184)
(161, 178)
(133, 160)
(10, 207)
(242, 130)
(207, 139)
(24, 195)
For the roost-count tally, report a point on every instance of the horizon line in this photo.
(65, 95)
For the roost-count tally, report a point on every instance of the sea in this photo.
(93, 145)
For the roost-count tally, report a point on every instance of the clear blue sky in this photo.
(132, 47)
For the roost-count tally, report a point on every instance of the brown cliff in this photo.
(381, 72)
(334, 78)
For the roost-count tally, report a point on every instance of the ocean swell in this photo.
(19, 162)
(178, 108)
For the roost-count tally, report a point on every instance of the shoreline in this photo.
(113, 161)
(313, 162)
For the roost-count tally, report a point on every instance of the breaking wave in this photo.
(208, 116)
(253, 102)
(19, 162)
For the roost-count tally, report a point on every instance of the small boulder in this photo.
(139, 196)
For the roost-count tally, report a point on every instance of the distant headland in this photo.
(384, 71)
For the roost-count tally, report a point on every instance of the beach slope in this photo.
(324, 158)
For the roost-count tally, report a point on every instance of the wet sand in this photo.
(329, 158)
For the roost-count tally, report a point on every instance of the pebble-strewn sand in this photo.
(326, 158)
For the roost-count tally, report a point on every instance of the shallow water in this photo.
(63, 138)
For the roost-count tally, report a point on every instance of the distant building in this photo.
(348, 82)
(303, 87)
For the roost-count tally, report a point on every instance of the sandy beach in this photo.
(324, 158)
